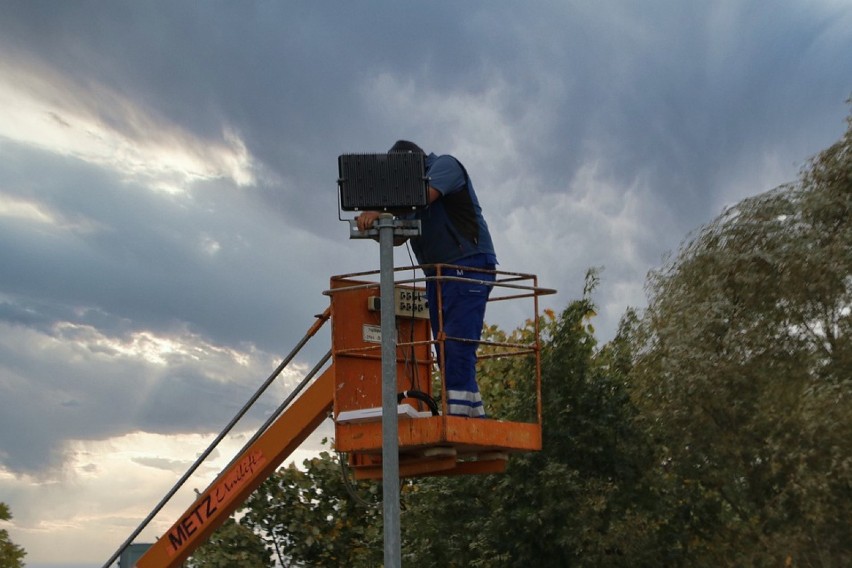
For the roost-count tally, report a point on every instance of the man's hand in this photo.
(366, 219)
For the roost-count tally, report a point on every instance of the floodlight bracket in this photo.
(402, 228)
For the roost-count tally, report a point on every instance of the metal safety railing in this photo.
(505, 286)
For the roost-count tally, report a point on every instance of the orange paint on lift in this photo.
(356, 352)
(234, 485)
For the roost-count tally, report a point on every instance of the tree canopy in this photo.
(743, 374)
(233, 544)
(309, 516)
(11, 555)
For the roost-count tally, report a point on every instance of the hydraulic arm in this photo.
(246, 473)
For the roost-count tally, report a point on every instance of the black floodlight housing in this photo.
(380, 182)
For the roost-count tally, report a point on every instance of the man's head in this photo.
(404, 146)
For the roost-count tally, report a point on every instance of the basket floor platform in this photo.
(437, 445)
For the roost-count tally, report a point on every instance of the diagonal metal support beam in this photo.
(244, 475)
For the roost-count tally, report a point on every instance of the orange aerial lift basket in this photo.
(431, 442)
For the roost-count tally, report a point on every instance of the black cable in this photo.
(344, 473)
(421, 396)
(415, 379)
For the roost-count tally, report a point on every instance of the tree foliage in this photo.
(574, 503)
(233, 544)
(310, 517)
(11, 555)
(744, 376)
(569, 504)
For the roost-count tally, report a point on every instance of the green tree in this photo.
(233, 544)
(317, 516)
(575, 502)
(11, 555)
(743, 378)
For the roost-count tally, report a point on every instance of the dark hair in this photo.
(405, 146)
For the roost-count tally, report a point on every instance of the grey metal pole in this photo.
(390, 430)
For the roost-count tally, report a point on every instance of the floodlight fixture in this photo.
(382, 182)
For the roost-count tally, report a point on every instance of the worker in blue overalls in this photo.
(453, 231)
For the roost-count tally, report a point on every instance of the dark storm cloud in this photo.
(285, 75)
(91, 392)
(123, 260)
(141, 255)
(682, 93)
(680, 97)
(676, 93)
(36, 317)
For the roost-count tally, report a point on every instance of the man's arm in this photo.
(366, 219)
(433, 194)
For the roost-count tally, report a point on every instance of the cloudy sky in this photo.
(168, 206)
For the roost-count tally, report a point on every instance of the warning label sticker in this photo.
(372, 333)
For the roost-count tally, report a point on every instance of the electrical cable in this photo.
(415, 379)
(347, 483)
(421, 396)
